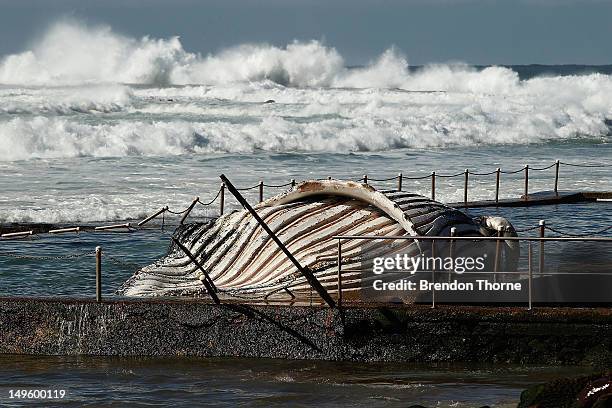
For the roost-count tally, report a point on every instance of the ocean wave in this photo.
(81, 107)
(57, 137)
(66, 100)
(73, 53)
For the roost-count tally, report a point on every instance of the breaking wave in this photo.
(66, 101)
(57, 137)
(75, 93)
(71, 53)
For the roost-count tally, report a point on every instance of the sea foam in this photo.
(88, 91)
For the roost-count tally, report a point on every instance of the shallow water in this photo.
(246, 382)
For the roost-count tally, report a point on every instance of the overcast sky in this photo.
(473, 31)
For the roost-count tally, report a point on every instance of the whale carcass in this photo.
(244, 262)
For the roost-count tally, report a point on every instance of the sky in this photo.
(426, 31)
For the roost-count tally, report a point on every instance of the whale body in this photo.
(245, 263)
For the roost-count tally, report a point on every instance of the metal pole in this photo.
(526, 181)
(433, 185)
(339, 272)
(399, 182)
(98, 274)
(365, 179)
(542, 225)
(105, 227)
(497, 177)
(222, 199)
(530, 269)
(150, 217)
(465, 187)
(63, 230)
(433, 275)
(497, 249)
(261, 190)
(556, 177)
(211, 289)
(451, 251)
(471, 238)
(307, 273)
(17, 234)
(193, 203)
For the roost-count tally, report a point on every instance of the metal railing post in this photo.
(465, 187)
(528, 240)
(140, 224)
(526, 181)
(339, 272)
(497, 250)
(530, 271)
(433, 275)
(98, 274)
(542, 225)
(17, 234)
(222, 199)
(399, 181)
(556, 177)
(433, 185)
(451, 251)
(497, 177)
(193, 203)
(261, 186)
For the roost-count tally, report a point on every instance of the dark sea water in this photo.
(181, 382)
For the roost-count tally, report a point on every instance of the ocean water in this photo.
(182, 382)
(97, 128)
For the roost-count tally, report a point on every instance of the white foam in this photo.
(66, 101)
(70, 53)
(321, 106)
(374, 126)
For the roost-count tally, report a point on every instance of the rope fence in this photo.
(590, 234)
(97, 253)
(219, 199)
(260, 186)
(542, 270)
(538, 239)
(74, 255)
(497, 172)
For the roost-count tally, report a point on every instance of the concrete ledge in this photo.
(366, 333)
(539, 198)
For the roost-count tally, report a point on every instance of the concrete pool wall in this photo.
(414, 333)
